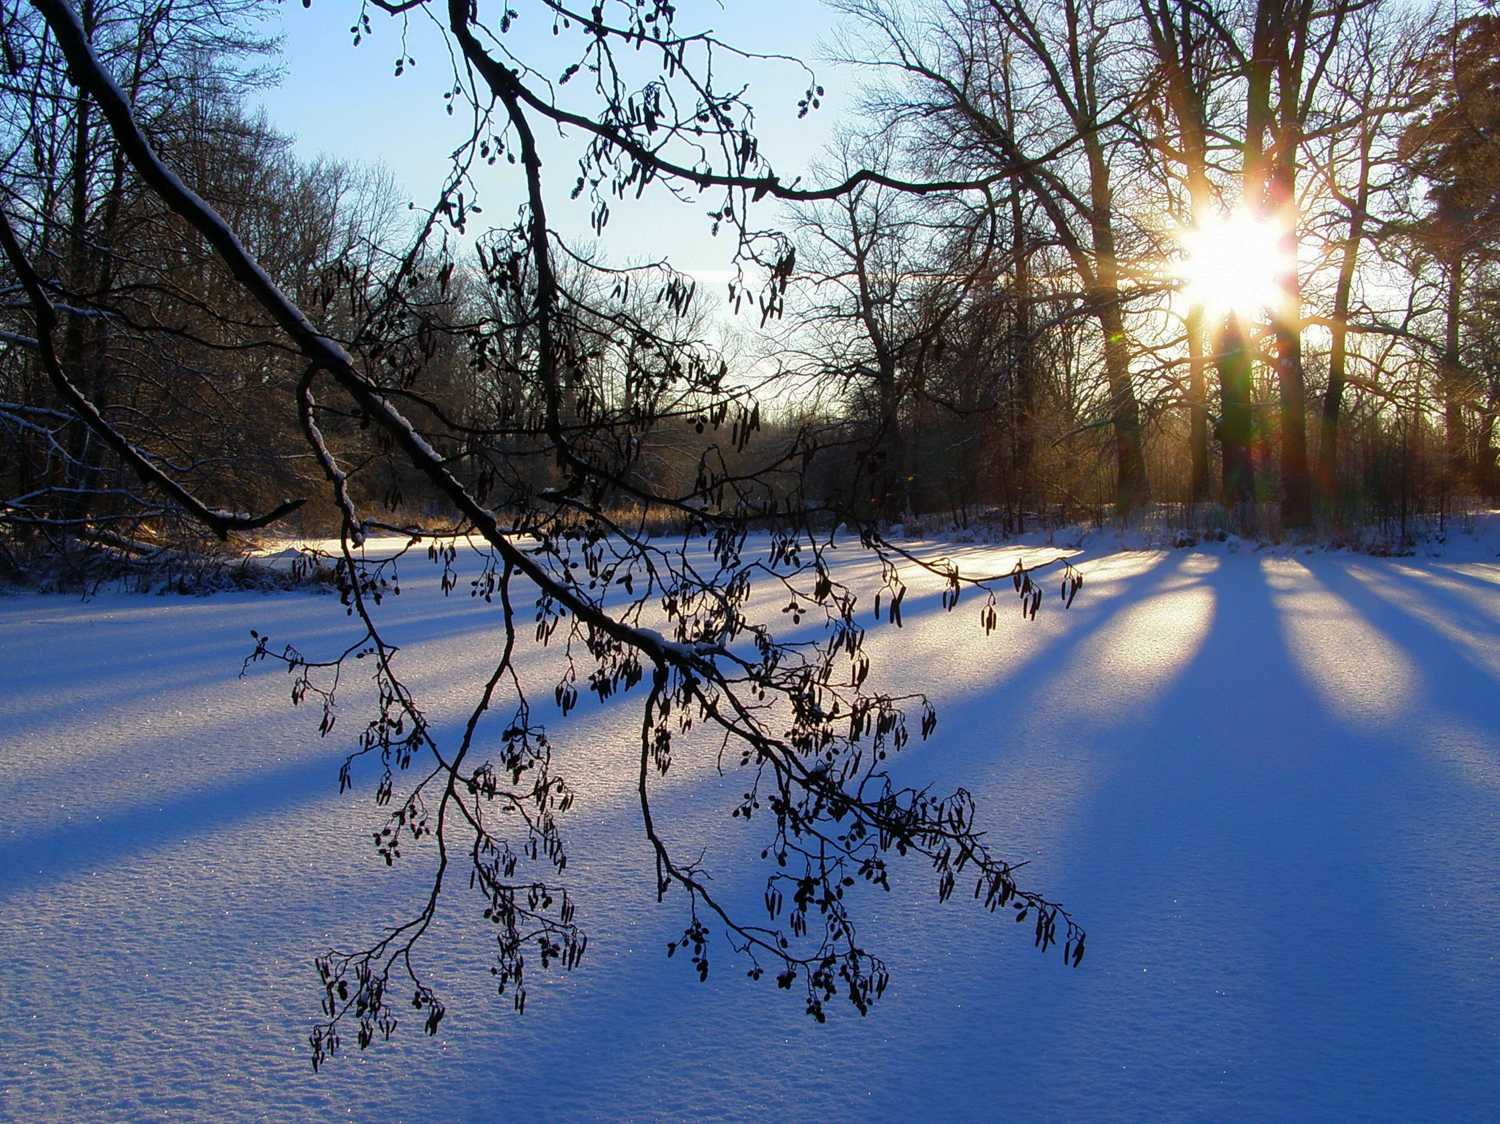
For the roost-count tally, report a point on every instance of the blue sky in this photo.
(345, 101)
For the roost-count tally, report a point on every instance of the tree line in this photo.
(1015, 347)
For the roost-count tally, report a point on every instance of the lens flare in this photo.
(1234, 264)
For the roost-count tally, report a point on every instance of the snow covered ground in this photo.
(1267, 782)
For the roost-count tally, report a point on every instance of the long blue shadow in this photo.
(669, 1012)
(1246, 803)
(41, 857)
(1467, 686)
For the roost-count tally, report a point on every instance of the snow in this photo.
(1266, 781)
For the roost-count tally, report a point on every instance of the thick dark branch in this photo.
(89, 73)
(507, 85)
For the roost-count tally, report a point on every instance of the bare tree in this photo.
(1028, 92)
(1374, 85)
(143, 318)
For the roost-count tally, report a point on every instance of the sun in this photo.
(1234, 264)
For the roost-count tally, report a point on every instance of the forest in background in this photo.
(1007, 345)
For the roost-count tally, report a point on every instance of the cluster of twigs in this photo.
(585, 377)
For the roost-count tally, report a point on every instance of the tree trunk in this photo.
(1328, 443)
(1198, 485)
(1176, 31)
(1296, 484)
(1456, 432)
(1236, 425)
(893, 493)
(1023, 405)
(1296, 478)
(1131, 488)
(1338, 356)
